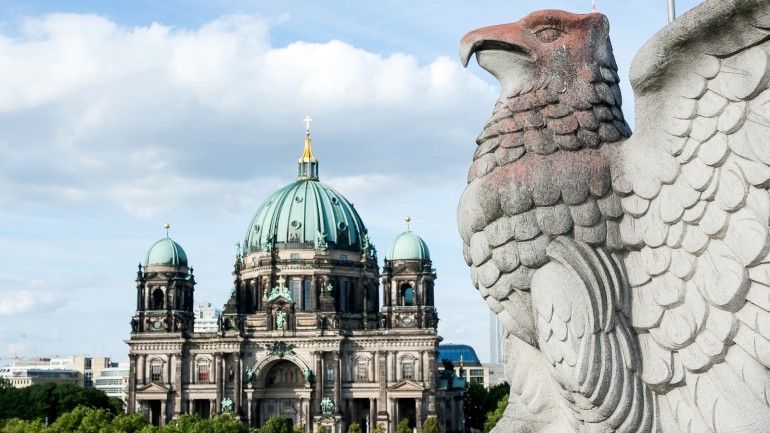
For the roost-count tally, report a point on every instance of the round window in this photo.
(341, 225)
(295, 224)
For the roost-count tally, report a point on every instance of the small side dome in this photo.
(408, 246)
(166, 252)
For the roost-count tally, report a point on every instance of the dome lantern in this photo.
(166, 252)
(307, 166)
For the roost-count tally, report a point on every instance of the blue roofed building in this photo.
(468, 366)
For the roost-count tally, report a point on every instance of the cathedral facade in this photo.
(304, 334)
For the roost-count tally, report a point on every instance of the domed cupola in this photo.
(306, 214)
(408, 281)
(408, 246)
(165, 285)
(166, 252)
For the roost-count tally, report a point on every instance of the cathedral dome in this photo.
(306, 214)
(166, 252)
(408, 246)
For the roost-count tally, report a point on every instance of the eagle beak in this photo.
(504, 37)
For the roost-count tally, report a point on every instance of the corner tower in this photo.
(164, 290)
(407, 281)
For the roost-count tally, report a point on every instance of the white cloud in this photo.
(97, 114)
(25, 301)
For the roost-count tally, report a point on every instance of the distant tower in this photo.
(495, 339)
(407, 283)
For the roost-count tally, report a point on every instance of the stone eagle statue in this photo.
(630, 271)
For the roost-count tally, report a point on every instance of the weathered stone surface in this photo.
(631, 271)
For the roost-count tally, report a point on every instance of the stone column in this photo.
(337, 380)
(431, 382)
(371, 373)
(163, 414)
(238, 384)
(418, 413)
(383, 382)
(219, 359)
(212, 408)
(313, 293)
(143, 369)
(421, 367)
(320, 377)
(249, 411)
(372, 413)
(394, 373)
(177, 386)
(393, 413)
(132, 378)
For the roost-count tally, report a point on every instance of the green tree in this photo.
(226, 423)
(133, 423)
(474, 406)
(403, 426)
(50, 400)
(83, 419)
(321, 429)
(379, 428)
(276, 424)
(494, 416)
(431, 425)
(16, 425)
(354, 427)
(479, 401)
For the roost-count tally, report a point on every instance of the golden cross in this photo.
(307, 121)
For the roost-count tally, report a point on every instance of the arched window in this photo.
(407, 295)
(203, 371)
(285, 374)
(156, 371)
(157, 299)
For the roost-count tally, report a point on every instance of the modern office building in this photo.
(113, 380)
(304, 334)
(206, 317)
(78, 370)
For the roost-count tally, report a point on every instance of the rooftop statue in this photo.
(631, 272)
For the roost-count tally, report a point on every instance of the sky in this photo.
(116, 117)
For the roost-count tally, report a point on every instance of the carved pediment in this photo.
(406, 268)
(152, 388)
(406, 386)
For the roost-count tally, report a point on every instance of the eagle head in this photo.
(559, 82)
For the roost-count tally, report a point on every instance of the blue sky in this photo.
(118, 116)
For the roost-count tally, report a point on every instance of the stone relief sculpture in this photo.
(631, 272)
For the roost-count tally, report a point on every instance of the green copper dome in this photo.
(306, 214)
(166, 252)
(408, 246)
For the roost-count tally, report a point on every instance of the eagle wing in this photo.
(694, 181)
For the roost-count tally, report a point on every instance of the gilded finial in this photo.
(167, 226)
(408, 219)
(307, 121)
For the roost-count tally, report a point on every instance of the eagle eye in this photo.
(548, 34)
